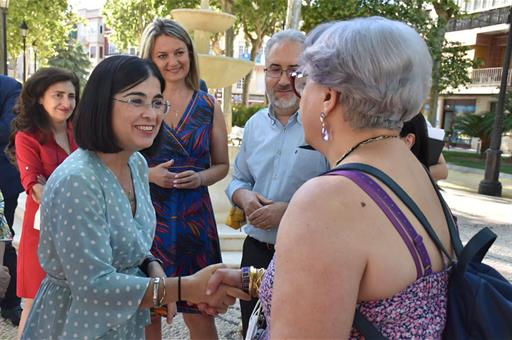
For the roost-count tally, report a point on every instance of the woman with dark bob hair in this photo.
(41, 139)
(359, 81)
(98, 222)
(415, 135)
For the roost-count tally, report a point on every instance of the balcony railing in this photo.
(488, 76)
(487, 18)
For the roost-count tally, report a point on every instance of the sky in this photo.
(90, 4)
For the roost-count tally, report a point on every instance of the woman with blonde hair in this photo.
(192, 156)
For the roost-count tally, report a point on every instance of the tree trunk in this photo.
(485, 142)
(227, 6)
(293, 14)
(254, 49)
(245, 90)
(436, 68)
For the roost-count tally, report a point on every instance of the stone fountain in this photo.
(217, 71)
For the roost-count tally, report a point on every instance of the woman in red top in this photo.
(42, 138)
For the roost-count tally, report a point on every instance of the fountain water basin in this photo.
(220, 71)
(203, 20)
(216, 71)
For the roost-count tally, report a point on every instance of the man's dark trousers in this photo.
(10, 300)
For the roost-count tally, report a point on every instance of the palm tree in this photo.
(477, 125)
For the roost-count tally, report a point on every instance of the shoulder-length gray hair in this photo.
(381, 68)
(170, 28)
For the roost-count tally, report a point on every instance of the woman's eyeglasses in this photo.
(158, 105)
(298, 80)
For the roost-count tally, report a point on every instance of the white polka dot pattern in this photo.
(91, 251)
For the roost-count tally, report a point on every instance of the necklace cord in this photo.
(366, 141)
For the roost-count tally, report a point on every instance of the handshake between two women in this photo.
(213, 289)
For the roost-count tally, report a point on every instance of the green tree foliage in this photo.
(451, 64)
(49, 23)
(315, 12)
(258, 19)
(477, 125)
(128, 18)
(480, 125)
(242, 113)
(73, 57)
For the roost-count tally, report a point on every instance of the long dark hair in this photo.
(418, 127)
(31, 116)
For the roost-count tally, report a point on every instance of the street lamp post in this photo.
(490, 184)
(24, 31)
(34, 48)
(4, 5)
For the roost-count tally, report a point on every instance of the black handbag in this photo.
(479, 298)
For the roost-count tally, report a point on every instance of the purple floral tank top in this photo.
(418, 311)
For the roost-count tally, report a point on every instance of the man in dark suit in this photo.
(10, 186)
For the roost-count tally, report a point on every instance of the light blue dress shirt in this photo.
(271, 163)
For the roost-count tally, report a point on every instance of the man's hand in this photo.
(249, 201)
(268, 216)
(5, 278)
(161, 176)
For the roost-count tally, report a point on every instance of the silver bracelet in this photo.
(156, 285)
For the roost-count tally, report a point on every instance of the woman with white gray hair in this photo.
(346, 242)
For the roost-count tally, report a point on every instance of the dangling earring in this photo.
(325, 134)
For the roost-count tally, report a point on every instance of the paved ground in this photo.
(474, 212)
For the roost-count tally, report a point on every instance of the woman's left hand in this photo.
(188, 180)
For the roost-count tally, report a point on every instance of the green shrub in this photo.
(242, 113)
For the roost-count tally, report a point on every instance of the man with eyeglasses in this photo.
(271, 164)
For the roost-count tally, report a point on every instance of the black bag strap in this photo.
(452, 226)
(409, 203)
(363, 325)
(476, 248)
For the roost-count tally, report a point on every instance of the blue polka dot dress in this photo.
(90, 247)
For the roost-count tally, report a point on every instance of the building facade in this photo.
(92, 34)
(485, 33)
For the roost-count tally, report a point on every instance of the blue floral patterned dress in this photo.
(186, 238)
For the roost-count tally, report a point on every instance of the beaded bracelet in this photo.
(245, 279)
